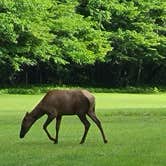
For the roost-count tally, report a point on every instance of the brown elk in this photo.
(57, 103)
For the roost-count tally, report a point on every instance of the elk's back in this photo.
(66, 102)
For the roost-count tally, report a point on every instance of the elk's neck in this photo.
(36, 113)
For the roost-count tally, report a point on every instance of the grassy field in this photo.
(135, 126)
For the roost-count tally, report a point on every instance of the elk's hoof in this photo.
(105, 141)
(81, 142)
(55, 142)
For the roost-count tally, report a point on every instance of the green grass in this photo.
(134, 124)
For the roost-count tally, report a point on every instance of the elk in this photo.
(57, 103)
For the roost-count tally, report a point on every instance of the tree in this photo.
(77, 39)
(50, 32)
(24, 35)
(137, 34)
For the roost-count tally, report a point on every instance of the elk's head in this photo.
(27, 122)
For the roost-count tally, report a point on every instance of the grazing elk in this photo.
(57, 103)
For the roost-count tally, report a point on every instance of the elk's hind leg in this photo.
(92, 115)
(86, 125)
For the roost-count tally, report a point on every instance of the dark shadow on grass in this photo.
(67, 144)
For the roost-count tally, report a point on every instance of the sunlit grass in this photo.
(134, 125)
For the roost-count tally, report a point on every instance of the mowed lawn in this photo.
(135, 125)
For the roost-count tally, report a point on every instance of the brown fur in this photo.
(57, 103)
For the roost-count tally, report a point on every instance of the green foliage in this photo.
(47, 31)
(24, 34)
(138, 35)
(135, 27)
(76, 38)
(40, 89)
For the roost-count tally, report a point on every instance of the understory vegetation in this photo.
(44, 88)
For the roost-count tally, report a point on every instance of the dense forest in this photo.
(93, 42)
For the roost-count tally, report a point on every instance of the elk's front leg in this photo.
(58, 122)
(48, 121)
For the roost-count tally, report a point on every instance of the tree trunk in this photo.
(26, 78)
(139, 72)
